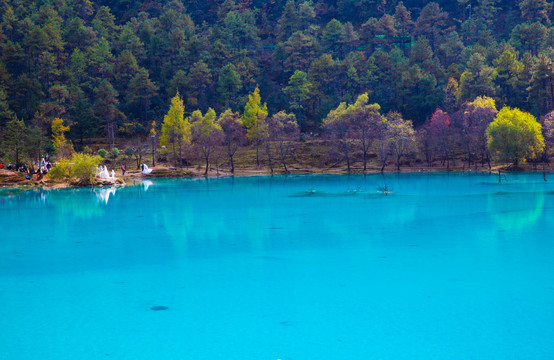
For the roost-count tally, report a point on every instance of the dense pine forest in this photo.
(110, 69)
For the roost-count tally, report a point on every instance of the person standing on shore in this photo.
(123, 170)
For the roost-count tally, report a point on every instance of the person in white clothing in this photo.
(145, 169)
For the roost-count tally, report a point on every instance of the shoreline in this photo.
(13, 179)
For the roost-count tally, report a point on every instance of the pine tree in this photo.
(141, 90)
(331, 34)
(403, 20)
(298, 90)
(228, 85)
(5, 113)
(289, 21)
(199, 80)
(13, 139)
(536, 10)
(106, 106)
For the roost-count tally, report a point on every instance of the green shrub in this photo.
(61, 170)
(81, 169)
(128, 151)
(103, 153)
(115, 153)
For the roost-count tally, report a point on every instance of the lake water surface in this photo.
(284, 267)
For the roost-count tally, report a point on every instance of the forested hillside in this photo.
(110, 68)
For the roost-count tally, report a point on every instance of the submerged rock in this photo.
(159, 308)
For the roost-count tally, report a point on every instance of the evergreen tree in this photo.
(298, 90)
(509, 77)
(289, 21)
(403, 20)
(228, 85)
(300, 50)
(432, 23)
(477, 80)
(106, 107)
(536, 10)
(141, 90)
(13, 140)
(541, 89)
(331, 34)
(5, 113)
(199, 80)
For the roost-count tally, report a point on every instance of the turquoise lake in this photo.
(446, 266)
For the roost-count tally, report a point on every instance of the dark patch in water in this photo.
(275, 228)
(285, 323)
(501, 230)
(140, 216)
(159, 308)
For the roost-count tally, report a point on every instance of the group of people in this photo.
(45, 166)
(42, 168)
(103, 173)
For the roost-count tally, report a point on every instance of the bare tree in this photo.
(284, 130)
(234, 134)
(402, 136)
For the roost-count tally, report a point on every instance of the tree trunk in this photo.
(346, 155)
(231, 154)
(283, 156)
(268, 152)
(257, 153)
(543, 169)
(174, 152)
(364, 149)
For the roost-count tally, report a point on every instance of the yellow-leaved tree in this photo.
(254, 120)
(514, 136)
(64, 148)
(175, 128)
